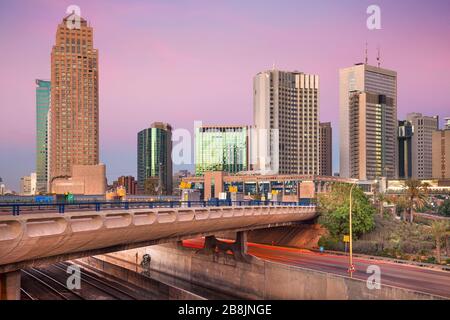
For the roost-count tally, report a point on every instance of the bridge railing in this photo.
(62, 207)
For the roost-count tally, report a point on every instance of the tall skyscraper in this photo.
(154, 157)
(405, 133)
(74, 137)
(325, 151)
(441, 152)
(221, 148)
(286, 108)
(372, 91)
(423, 128)
(43, 93)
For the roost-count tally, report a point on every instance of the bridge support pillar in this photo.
(10, 285)
(241, 242)
(238, 248)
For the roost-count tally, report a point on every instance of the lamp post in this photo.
(351, 268)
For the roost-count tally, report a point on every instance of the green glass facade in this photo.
(154, 159)
(43, 89)
(221, 149)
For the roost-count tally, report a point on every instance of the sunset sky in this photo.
(181, 61)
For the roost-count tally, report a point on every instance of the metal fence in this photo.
(62, 207)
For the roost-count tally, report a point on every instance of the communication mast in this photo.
(378, 56)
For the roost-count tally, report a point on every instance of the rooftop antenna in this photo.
(273, 66)
(366, 56)
(379, 56)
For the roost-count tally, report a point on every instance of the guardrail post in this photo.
(127, 205)
(97, 207)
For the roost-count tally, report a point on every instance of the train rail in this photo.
(111, 288)
(50, 284)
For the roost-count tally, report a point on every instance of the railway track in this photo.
(50, 284)
(25, 295)
(111, 288)
(36, 283)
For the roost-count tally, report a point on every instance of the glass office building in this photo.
(43, 92)
(154, 158)
(221, 148)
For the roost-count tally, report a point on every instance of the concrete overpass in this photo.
(31, 240)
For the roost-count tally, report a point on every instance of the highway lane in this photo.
(400, 275)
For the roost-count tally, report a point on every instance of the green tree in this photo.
(334, 211)
(400, 205)
(444, 208)
(151, 186)
(439, 230)
(379, 199)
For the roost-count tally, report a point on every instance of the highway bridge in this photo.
(37, 239)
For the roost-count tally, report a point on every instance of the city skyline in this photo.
(157, 60)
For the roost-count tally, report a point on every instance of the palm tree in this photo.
(380, 199)
(400, 204)
(439, 229)
(415, 196)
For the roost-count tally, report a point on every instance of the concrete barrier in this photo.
(262, 279)
(158, 289)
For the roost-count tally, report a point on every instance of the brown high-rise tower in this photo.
(325, 149)
(74, 125)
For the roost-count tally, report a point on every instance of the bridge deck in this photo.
(28, 238)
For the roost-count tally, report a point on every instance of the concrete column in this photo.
(10, 285)
(241, 241)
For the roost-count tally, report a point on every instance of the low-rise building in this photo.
(28, 185)
(85, 180)
(256, 186)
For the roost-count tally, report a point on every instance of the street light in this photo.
(351, 268)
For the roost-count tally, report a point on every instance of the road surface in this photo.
(417, 278)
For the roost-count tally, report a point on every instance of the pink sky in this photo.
(180, 61)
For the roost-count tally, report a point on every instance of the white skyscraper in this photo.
(362, 79)
(286, 108)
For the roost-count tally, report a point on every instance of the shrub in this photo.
(331, 243)
(431, 260)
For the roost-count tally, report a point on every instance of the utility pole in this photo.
(351, 267)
